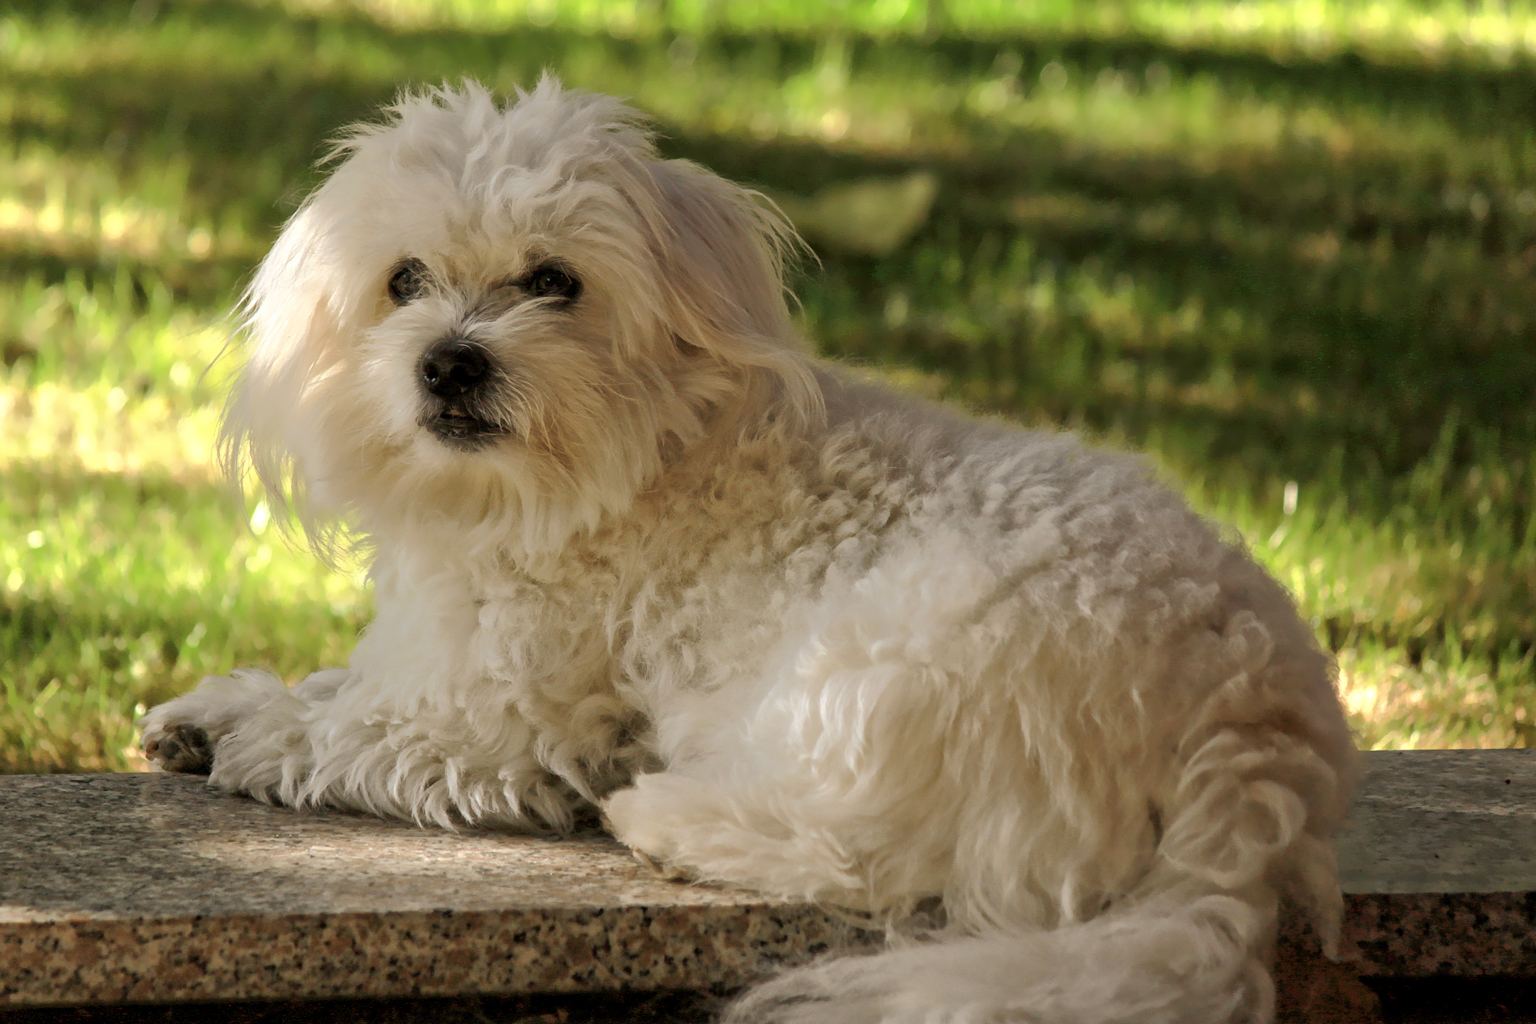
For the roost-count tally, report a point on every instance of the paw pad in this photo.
(183, 748)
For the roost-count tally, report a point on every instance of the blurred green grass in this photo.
(1287, 249)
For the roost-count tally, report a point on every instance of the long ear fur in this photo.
(721, 256)
(292, 325)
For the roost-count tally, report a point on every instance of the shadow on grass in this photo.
(1337, 322)
(1449, 82)
(288, 103)
(202, 281)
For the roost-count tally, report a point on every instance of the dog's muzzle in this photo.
(460, 379)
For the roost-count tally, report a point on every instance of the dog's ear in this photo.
(721, 254)
(291, 324)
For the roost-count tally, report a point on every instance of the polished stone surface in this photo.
(1430, 821)
(117, 888)
(156, 887)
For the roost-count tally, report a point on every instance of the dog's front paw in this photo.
(183, 735)
(179, 747)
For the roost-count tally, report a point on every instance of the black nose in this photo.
(451, 369)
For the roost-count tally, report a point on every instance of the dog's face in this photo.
(507, 318)
(472, 391)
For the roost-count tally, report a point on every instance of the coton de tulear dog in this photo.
(636, 554)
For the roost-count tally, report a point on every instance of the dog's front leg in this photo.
(246, 729)
(331, 741)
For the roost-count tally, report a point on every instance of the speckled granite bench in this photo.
(155, 888)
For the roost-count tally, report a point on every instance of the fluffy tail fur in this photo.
(1192, 964)
(1247, 823)
(1189, 947)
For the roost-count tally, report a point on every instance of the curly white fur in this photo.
(786, 631)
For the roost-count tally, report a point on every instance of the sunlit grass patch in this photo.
(126, 572)
(1428, 605)
(101, 430)
(1395, 701)
(119, 590)
(75, 208)
(107, 383)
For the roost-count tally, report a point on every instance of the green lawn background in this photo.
(1288, 249)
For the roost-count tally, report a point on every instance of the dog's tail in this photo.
(1247, 823)
(1190, 965)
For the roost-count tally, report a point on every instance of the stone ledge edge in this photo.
(1434, 934)
(422, 953)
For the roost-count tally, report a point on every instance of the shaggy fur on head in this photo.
(635, 553)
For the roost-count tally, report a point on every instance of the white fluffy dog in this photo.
(635, 553)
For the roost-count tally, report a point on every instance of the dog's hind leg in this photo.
(804, 818)
(691, 828)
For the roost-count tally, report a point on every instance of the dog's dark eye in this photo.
(407, 282)
(547, 282)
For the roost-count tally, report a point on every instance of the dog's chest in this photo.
(689, 594)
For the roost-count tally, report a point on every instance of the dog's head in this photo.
(506, 319)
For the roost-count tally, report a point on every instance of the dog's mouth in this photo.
(462, 429)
